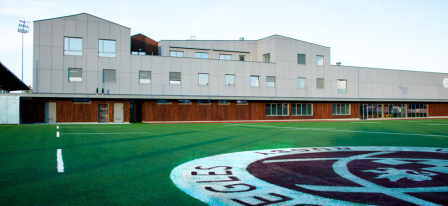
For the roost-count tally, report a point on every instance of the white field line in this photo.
(57, 127)
(109, 133)
(57, 134)
(436, 124)
(89, 127)
(366, 122)
(60, 162)
(333, 130)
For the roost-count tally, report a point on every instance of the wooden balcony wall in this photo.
(140, 42)
(151, 111)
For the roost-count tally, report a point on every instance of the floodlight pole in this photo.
(23, 28)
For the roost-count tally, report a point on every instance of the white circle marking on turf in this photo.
(224, 180)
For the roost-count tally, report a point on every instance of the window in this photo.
(74, 75)
(340, 109)
(144, 77)
(242, 57)
(183, 101)
(270, 81)
(174, 77)
(225, 56)
(342, 86)
(176, 54)
(163, 101)
(138, 53)
(320, 83)
(203, 79)
(223, 102)
(241, 102)
(72, 46)
(302, 109)
(106, 48)
(417, 110)
(203, 101)
(319, 60)
(301, 83)
(301, 59)
(81, 101)
(230, 80)
(254, 81)
(277, 109)
(109, 76)
(201, 55)
(266, 57)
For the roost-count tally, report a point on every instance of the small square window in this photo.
(201, 55)
(301, 58)
(203, 79)
(320, 83)
(225, 56)
(203, 101)
(74, 75)
(109, 76)
(242, 57)
(254, 81)
(342, 86)
(319, 60)
(175, 77)
(184, 101)
(241, 102)
(176, 54)
(230, 80)
(223, 102)
(72, 46)
(267, 58)
(301, 83)
(106, 48)
(270, 81)
(144, 77)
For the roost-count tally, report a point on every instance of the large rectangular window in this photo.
(270, 81)
(109, 76)
(342, 86)
(417, 110)
(320, 83)
(144, 77)
(203, 79)
(267, 58)
(301, 83)
(320, 60)
(201, 55)
(225, 56)
(277, 109)
(230, 80)
(74, 75)
(302, 109)
(106, 48)
(254, 81)
(301, 58)
(72, 46)
(175, 77)
(340, 109)
(394, 110)
(176, 54)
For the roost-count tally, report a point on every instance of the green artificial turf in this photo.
(134, 168)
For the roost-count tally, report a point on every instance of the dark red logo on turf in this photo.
(329, 176)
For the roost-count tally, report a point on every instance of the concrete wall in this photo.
(51, 67)
(9, 109)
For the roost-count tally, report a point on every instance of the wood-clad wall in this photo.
(66, 111)
(437, 109)
(140, 42)
(151, 111)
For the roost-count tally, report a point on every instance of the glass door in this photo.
(103, 112)
(363, 111)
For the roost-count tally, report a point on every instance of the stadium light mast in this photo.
(23, 28)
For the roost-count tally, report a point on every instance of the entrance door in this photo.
(363, 111)
(103, 112)
(118, 112)
(50, 112)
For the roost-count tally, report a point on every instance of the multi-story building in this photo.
(87, 69)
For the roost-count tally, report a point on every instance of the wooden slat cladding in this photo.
(438, 109)
(140, 42)
(66, 111)
(151, 111)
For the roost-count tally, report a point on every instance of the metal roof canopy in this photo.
(9, 81)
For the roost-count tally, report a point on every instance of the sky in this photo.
(391, 34)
